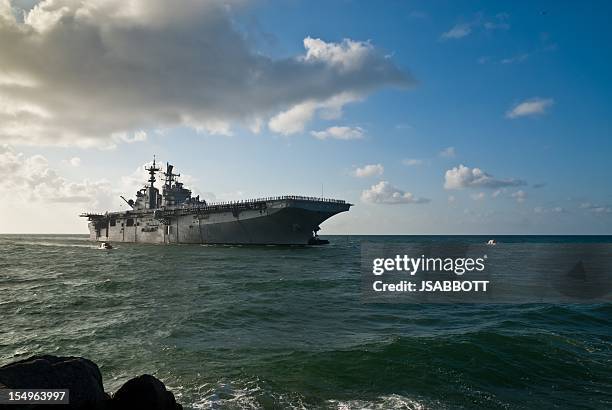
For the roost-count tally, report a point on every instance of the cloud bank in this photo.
(464, 177)
(30, 179)
(97, 72)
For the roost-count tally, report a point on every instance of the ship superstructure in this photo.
(174, 216)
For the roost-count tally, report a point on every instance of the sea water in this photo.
(285, 327)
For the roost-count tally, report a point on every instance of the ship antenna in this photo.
(152, 170)
(169, 175)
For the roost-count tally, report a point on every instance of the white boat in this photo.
(491, 242)
(105, 245)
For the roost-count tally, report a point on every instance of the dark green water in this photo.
(253, 327)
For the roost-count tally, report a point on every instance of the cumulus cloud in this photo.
(96, 72)
(385, 193)
(529, 108)
(340, 133)
(31, 179)
(464, 177)
(448, 152)
(369, 171)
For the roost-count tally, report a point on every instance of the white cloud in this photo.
(385, 193)
(464, 177)
(412, 162)
(520, 196)
(31, 179)
(499, 22)
(448, 152)
(96, 72)
(457, 31)
(543, 210)
(294, 119)
(339, 133)
(369, 171)
(533, 107)
(451, 199)
(348, 55)
(595, 208)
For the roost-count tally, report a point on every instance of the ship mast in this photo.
(152, 191)
(152, 170)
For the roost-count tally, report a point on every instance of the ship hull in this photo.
(284, 222)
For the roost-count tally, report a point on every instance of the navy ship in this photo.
(175, 217)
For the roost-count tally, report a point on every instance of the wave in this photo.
(54, 244)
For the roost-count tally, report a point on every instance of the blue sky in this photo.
(546, 166)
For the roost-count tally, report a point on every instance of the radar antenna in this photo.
(169, 176)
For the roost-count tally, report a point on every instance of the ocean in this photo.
(285, 327)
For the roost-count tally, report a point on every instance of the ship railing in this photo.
(278, 198)
(250, 203)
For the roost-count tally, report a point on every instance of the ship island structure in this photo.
(175, 217)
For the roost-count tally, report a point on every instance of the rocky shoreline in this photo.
(84, 380)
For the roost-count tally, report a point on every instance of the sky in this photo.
(446, 117)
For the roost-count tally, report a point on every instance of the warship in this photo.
(175, 217)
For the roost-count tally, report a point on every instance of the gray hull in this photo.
(283, 221)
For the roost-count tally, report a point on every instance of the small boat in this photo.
(315, 240)
(105, 245)
(491, 242)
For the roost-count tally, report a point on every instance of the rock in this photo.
(81, 376)
(84, 380)
(144, 392)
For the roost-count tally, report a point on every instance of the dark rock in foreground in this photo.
(81, 376)
(84, 380)
(145, 392)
